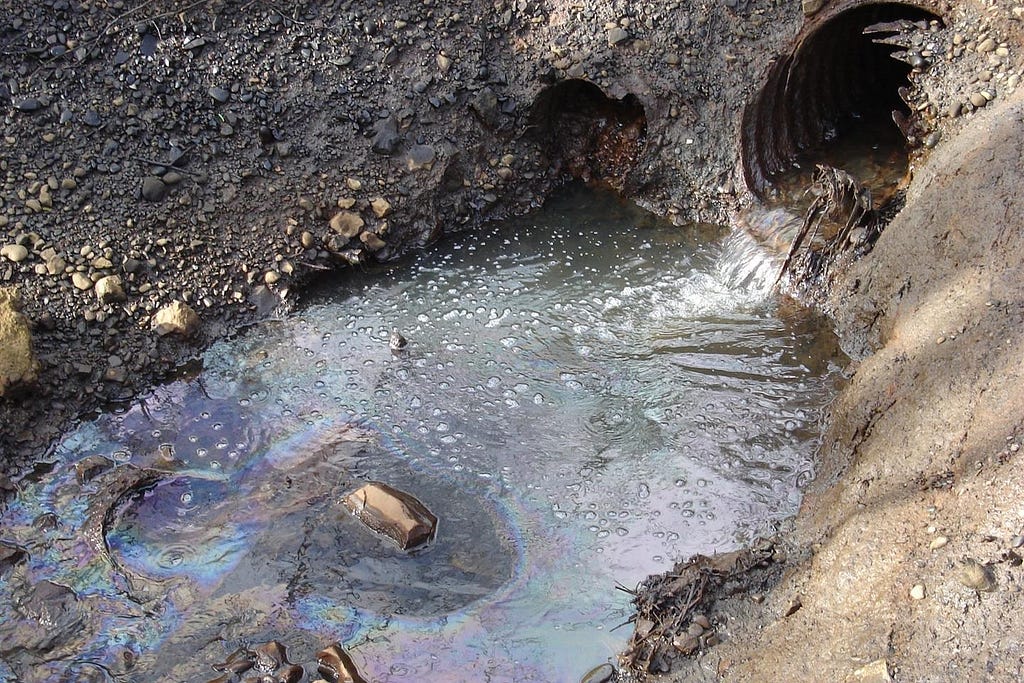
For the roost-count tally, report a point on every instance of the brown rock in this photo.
(372, 242)
(18, 365)
(81, 281)
(396, 514)
(269, 656)
(812, 7)
(347, 223)
(875, 672)
(109, 289)
(175, 318)
(381, 207)
(976, 576)
(334, 664)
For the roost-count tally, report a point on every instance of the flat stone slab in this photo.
(393, 513)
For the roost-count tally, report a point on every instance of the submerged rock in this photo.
(396, 514)
(599, 674)
(397, 342)
(336, 666)
(18, 365)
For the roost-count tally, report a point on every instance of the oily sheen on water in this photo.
(587, 395)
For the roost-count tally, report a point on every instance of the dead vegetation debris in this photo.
(668, 604)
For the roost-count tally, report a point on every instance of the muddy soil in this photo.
(905, 558)
(200, 150)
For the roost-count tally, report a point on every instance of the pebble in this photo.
(686, 644)
(153, 189)
(109, 289)
(938, 542)
(372, 242)
(387, 139)
(81, 281)
(175, 318)
(618, 36)
(874, 672)
(347, 223)
(811, 7)
(27, 104)
(987, 45)
(917, 592)
(978, 100)
(118, 375)
(599, 674)
(976, 576)
(421, 157)
(220, 95)
(381, 207)
(56, 265)
(14, 252)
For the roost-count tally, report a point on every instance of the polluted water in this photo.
(585, 395)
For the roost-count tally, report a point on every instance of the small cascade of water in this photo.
(753, 255)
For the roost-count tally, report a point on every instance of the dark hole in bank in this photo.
(835, 97)
(588, 135)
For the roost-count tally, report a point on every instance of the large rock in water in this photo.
(18, 364)
(394, 513)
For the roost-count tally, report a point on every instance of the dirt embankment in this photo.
(905, 561)
(906, 549)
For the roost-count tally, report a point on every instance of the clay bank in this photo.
(174, 172)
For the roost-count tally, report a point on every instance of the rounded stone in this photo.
(81, 281)
(109, 289)
(14, 252)
(153, 189)
(175, 318)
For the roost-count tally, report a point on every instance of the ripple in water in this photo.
(587, 396)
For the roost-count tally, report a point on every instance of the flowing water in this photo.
(587, 396)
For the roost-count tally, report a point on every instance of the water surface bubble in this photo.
(559, 406)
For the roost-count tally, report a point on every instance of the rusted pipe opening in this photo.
(588, 135)
(837, 82)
